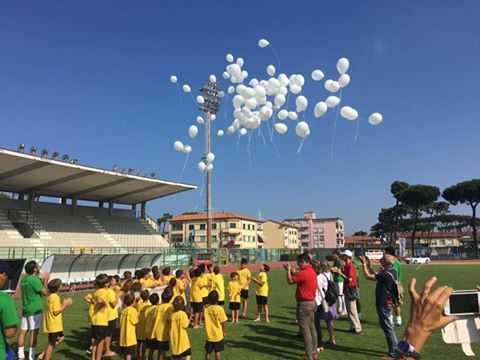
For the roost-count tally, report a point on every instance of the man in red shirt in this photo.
(350, 290)
(306, 281)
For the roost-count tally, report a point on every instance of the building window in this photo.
(214, 226)
(191, 227)
(203, 226)
(232, 225)
(214, 238)
(244, 238)
(315, 238)
(322, 237)
(203, 238)
(321, 230)
(177, 227)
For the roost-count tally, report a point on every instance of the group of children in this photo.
(149, 324)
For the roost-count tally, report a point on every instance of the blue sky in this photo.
(90, 78)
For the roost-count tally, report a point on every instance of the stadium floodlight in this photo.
(66, 157)
(74, 161)
(45, 152)
(55, 155)
(123, 170)
(130, 171)
(153, 174)
(115, 167)
(21, 147)
(33, 150)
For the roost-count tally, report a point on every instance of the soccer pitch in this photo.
(277, 340)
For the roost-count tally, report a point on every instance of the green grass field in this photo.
(277, 340)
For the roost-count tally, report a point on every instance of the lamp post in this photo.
(211, 105)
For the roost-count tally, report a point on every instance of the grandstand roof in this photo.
(216, 216)
(25, 173)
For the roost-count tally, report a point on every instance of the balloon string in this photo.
(332, 145)
(184, 166)
(276, 150)
(194, 101)
(179, 93)
(276, 55)
(301, 146)
(356, 130)
(260, 133)
(249, 152)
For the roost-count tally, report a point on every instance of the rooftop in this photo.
(282, 224)
(216, 216)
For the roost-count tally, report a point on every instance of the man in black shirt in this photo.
(384, 296)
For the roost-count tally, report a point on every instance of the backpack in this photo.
(331, 295)
(394, 294)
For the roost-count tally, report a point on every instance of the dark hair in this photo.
(243, 261)
(155, 269)
(266, 267)
(197, 272)
(191, 272)
(101, 280)
(127, 275)
(145, 272)
(209, 267)
(117, 278)
(128, 299)
(156, 275)
(202, 267)
(303, 258)
(154, 299)
(144, 295)
(233, 274)
(390, 250)
(178, 303)
(54, 285)
(172, 282)
(179, 273)
(127, 285)
(167, 295)
(138, 274)
(136, 287)
(213, 297)
(110, 278)
(30, 267)
(166, 271)
(216, 269)
(336, 252)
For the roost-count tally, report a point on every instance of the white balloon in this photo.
(240, 89)
(271, 70)
(344, 80)
(220, 133)
(178, 145)
(269, 104)
(202, 166)
(292, 115)
(281, 128)
(226, 75)
(231, 89)
(213, 78)
(239, 62)
(295, 89)
(317, 75)
(192, 131)
(272, 85)
(251, 103)
(200, 120)
(342, 65)
(332, 101)
(238, 101)
(248, 92)
(263, 43)
(279, 99)
(259, 92)
(230, 130)
(349, 113)
(187, 149)
(173, 79)
(244, 74)
(186, 88)
(200, 99)
(283, 79)
(301, 102)
(243, 132)
(265, 113)
(236, 124)
(302, 129)
(375, 118)
(221, 94)
(320, 109)
(209, 167)
(332, 86)
(229, 58)
(299, 80)
(283, 90)
(213, 117)
(282, 114)
(210, 157)
(253, 82)
(235, 72)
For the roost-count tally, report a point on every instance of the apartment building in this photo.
(279, 235)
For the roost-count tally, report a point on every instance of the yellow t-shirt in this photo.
(210, 280)
(196, 293)
(148, 283)
(262, 290)
(219, 285)
(101, 312)
(243, 276)
(234, 291)
(112, 310)
(205, 279)
(52, 323)
(90, 307)
(179, 290)
(128, 320)
(166, 279)
(162, 322)
(179, 342)
(142, 307)
(150, 315)
(214, 318)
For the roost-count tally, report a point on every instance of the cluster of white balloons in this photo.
(207, 163)
(181, 147)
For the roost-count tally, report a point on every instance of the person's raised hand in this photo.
(68, 302)
(362, 260)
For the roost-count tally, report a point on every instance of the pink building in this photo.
(319, 233)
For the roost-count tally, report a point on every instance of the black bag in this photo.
(331, 295)
(394, 294)
(352, 294)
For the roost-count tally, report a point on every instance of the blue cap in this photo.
(6, 268)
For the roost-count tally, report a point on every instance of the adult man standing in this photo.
(338, 281)
(306, 281)
(244, 277)
(350, 290)
(32, 315)
(8, 313)
(385, 292)
(397, 266)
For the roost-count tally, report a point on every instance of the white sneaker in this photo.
(398, 321)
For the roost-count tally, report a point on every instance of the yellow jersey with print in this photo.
(214, 318)
(142, 307)
(166, 279)
(179, 342)
(234, 291)
(128, 322)
(262, 290)
(179, 290)
(219, 286)
(112, 310)
(90, 306)
(162, 322)
(196, 292)
(52, 323)
(205, 279)
(101, 310)
(148, 283)
(150, 315)
(243, 276)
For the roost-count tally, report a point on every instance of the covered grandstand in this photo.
(66, 222)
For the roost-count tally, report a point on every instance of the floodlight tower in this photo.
(210, 92)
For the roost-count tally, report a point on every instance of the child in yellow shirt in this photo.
(179, 323)
(101, 298)
(52, 318)
(166, 275)
(219, 285)
(180, 286)
(216, 327)
(112, 315)
(128, 321)
(234, 296)
(89, 299)
(261, 291)
(150, 316)
(141, 306)
(196, 297)
(162, 323)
